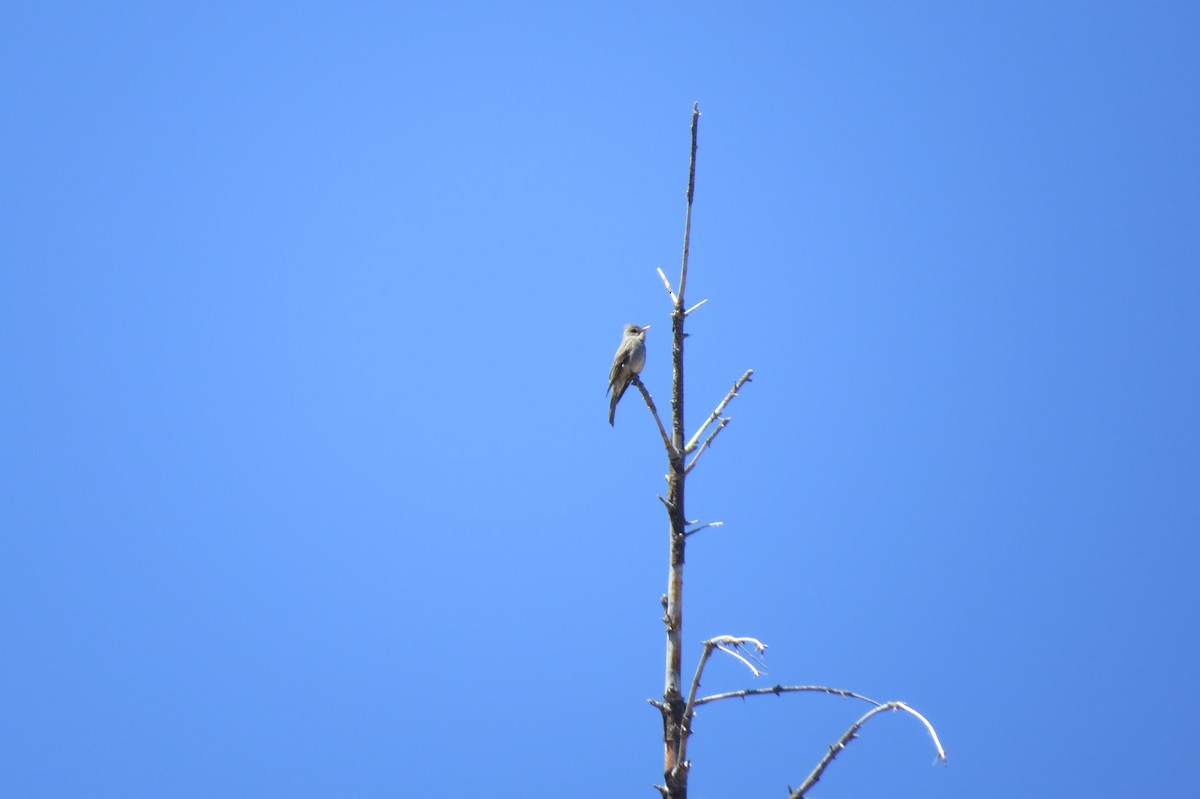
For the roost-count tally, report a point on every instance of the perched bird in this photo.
(630, 358)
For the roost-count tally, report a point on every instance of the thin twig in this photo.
(783, 689)
(694, 307)
(689, 708)
(695, 530)
(667, 283)
(932, 732)
(637, 381)
(834, 751)
(851, 734)
(733, 392)
(707, 441)
(755, 670)
(691, 192)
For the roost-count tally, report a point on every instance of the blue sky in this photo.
(307, 309)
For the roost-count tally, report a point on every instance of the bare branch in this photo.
(637, 381)
(834, 751)
(782, 689)
(689, 708)
(667, 283)
(707, 441)
(694, 307)
(851, 734)
(728, 644)
(701, 527)
(691, 193)
(733, 651)
(743, 380)
(932, 732)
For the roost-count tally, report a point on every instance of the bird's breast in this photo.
(637, 360)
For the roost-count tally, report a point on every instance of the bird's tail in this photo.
(616, 397)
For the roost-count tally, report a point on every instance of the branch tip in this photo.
(701, 527)
(667, 283)
(716, 414)
(851, 734)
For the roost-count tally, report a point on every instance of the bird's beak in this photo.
(647, 327)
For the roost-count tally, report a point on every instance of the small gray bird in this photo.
(630, 358)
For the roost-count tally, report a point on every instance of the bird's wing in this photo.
(613, 374)
(620, 361)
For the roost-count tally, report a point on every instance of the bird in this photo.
(629, 360)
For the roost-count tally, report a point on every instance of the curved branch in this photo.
(728, 644)
(851, 734)
(846, 738)
(928, 726)
(833, 752)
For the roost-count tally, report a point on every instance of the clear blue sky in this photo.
(307, 310)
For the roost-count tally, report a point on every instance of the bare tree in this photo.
(677, 708)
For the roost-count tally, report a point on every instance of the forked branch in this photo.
(716, 414)
(731, 645)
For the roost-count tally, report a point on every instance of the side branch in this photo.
(851, 734)
(707, 441)
(667, 283)
(733, 392)
(694, 530)
(637, 381)
(846, 738)
(783, 689)
(833, 752)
